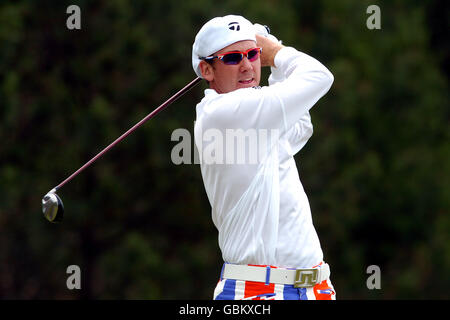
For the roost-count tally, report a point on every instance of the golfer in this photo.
(247, 136)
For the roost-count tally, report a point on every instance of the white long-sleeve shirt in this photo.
(259, 206)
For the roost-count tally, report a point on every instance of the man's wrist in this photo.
(269, 50)
(275, 52)
(285, 56)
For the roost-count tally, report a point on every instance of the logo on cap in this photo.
(234, 26)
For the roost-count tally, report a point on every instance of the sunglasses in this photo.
(235, 57)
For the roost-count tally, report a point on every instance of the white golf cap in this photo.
(218, 33)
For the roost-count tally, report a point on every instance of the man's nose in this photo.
(245, 65)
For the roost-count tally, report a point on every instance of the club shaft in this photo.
(137, 125)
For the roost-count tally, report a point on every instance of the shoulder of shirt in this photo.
(241, 92)
(210, 93)
(213, 101)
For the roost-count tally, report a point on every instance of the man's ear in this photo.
(207, 71)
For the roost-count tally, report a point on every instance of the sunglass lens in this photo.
(252, 55)
(232, 58)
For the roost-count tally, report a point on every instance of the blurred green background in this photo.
(376, 170)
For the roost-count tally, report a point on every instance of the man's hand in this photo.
(269, 50)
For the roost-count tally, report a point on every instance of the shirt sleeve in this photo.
(302, 130)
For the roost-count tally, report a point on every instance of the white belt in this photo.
(300, 278)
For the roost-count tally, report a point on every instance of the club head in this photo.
(52, 207)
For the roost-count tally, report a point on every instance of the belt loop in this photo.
(267, 275)
(221, 272)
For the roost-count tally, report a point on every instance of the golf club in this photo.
(52, 205)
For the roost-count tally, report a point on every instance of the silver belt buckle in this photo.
(305, 278)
